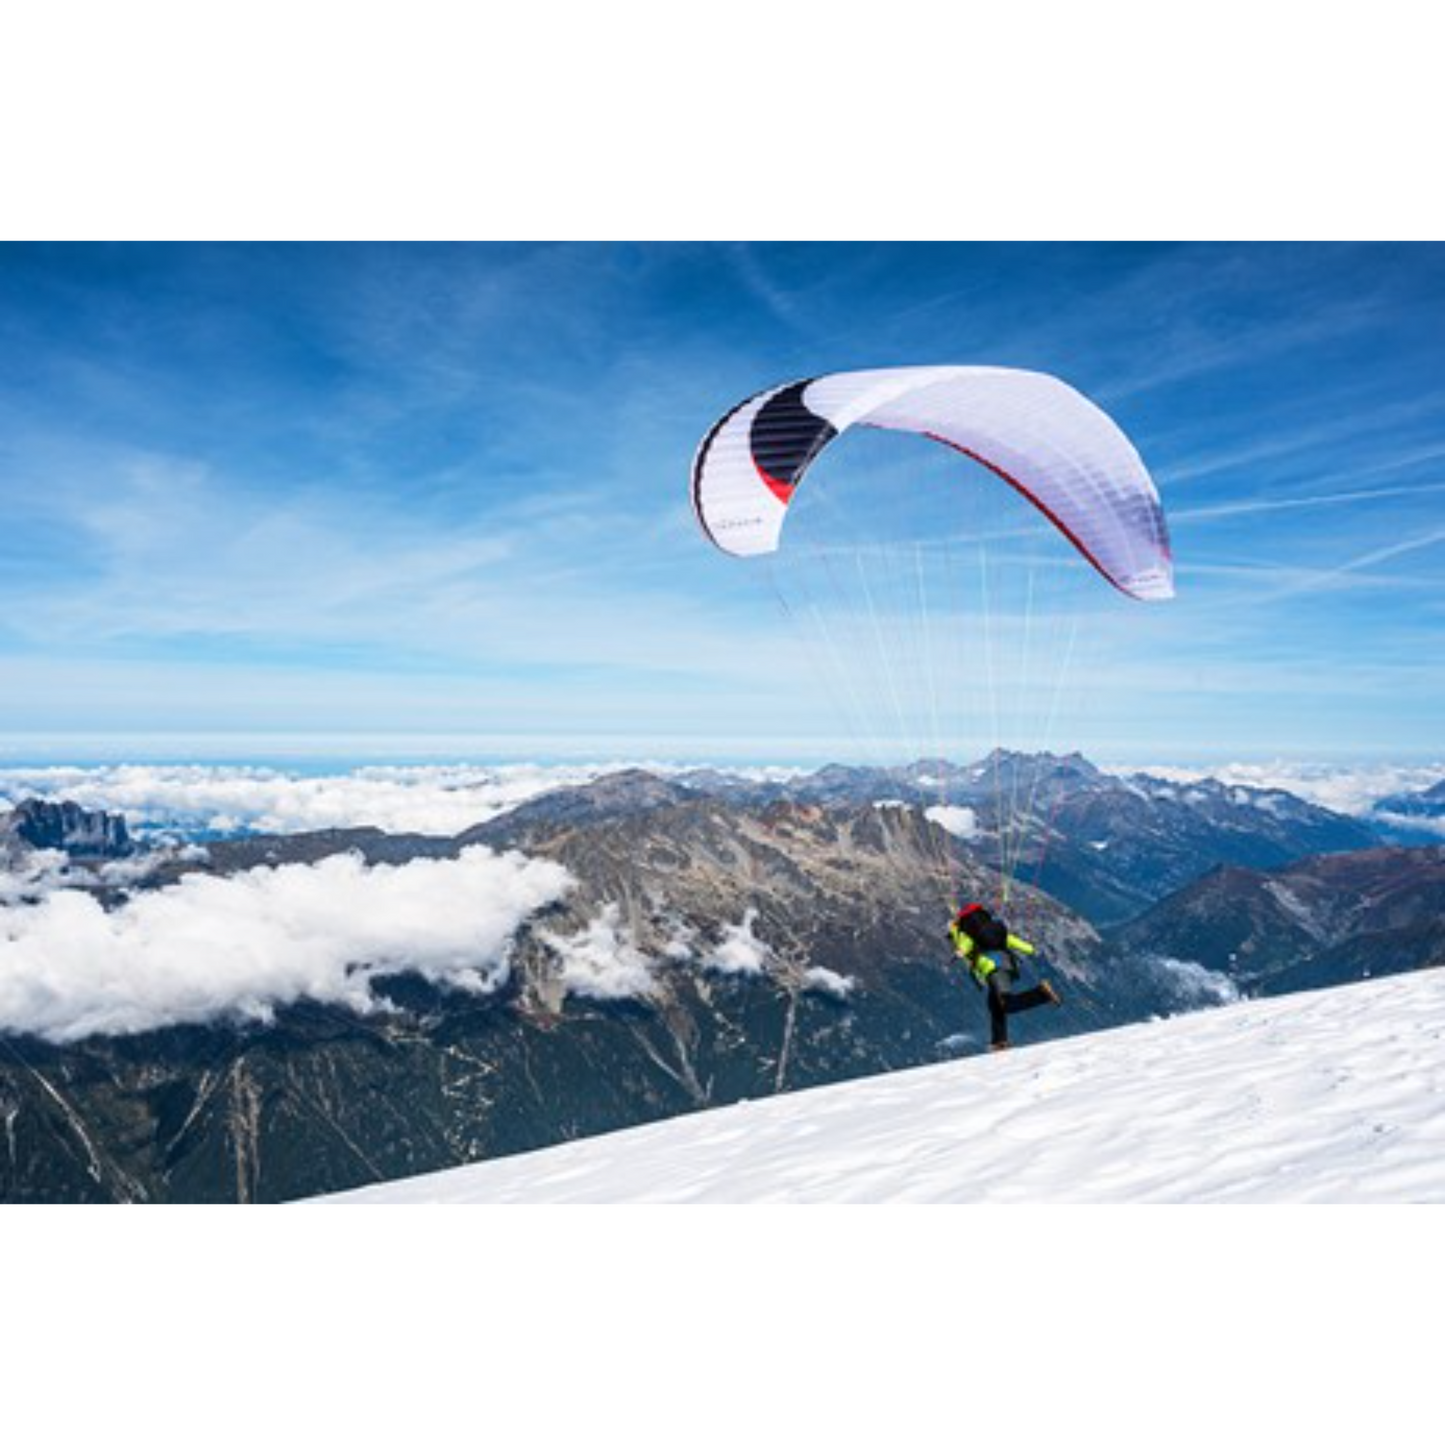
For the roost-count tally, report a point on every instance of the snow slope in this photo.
(1330, 1096)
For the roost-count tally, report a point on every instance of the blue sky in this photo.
(427, 501)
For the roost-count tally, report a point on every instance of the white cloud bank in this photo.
(602, 961)
(1193, 984)
(1343, 788)
(212, 948)
(38, 872)
(443, 800)
(740, 950)
(1413, 822)
(825, 980)
(34, 875)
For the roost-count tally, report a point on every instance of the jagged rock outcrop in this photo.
(64, 827)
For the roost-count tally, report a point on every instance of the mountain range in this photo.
(796, 930)
(855, 981)
(1313, 924)
(1107, 845)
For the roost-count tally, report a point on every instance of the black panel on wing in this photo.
(785, 438)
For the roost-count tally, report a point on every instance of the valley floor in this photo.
(1333, 1096)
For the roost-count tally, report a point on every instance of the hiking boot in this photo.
(1050, 992)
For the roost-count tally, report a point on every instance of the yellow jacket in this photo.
(980, 964)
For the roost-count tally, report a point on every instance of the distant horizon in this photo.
(308, 752)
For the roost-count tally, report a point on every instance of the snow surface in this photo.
(1330, 1096)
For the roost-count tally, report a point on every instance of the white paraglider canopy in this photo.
(1033, 431)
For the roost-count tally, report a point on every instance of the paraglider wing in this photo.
(1032, 431)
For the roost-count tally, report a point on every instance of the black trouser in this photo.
(1002, 1003)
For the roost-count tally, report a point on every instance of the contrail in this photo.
(1384, 554)
(1356, 564)
(1283, 504)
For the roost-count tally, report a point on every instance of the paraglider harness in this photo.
(987, 935)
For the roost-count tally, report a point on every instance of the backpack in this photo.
(987, 933)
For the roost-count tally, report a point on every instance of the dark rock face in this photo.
(66, 828)
(1313, 924)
